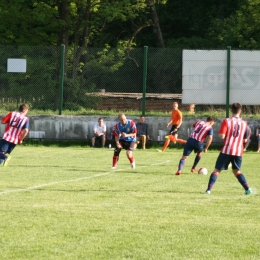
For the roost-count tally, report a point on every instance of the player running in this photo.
(176, 121)
(125, 137)
(234, 132)
(17, 128)
(195, 143)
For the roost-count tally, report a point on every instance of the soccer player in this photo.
(195, 143)
(234, 132)
(17, 128)
(99, 132)
(176, 121)
(125, 138)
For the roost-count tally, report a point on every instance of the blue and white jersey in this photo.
(128, 128)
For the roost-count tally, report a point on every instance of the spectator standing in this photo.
(234, 132)
(142, 132)
(125, 138)
(99, 132)
(195, 143)
(17, 128)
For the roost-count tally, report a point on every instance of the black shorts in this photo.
(192, 145)
(100, 138)
(223, 161)
(172, 132)
(6, 146)
(126, 145)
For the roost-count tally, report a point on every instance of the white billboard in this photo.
(204, 77)
(16, 65)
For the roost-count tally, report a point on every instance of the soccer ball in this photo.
(203, 171)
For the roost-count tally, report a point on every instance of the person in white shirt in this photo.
(99, 132)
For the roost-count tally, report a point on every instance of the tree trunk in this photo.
(156, 25)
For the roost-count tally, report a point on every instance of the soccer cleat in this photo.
(248, 192)
(207, 192)
(159, 150)
(113, 167)
(178, 172)
(192, 170)
(6, 161)
(133, 165)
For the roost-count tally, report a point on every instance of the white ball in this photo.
(203, 171)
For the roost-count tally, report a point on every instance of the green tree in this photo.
(192, 24)
(28, 22)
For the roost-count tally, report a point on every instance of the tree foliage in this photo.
(100, 37)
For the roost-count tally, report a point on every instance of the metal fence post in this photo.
(228, 80)
(144, 80)
(61, 78)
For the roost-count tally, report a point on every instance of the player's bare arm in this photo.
(118, 145)
(178, 126)
(221, 136)
(127, 135)
(23, 135)
(169, 123)
(209, 141)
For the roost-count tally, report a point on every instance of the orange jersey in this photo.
(176, 117)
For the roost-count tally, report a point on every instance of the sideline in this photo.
(74, 180)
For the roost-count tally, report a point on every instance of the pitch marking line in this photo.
(73, 180)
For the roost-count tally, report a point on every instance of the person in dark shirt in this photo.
(142, 132)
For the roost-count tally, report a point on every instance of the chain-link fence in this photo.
(121, 79)
(38, 85)
(107, 79)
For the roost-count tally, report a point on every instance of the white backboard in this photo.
(16, 65)
(204, 77)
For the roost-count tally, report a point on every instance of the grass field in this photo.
(67, 203)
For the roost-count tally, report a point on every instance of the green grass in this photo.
(67, 203)
(218, 113)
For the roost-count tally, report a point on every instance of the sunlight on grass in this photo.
(67, 203)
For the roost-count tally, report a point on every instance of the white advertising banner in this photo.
(204, 77)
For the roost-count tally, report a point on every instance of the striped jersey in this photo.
(235, 130)
(128, 128)
(201, 130)
(16, 122)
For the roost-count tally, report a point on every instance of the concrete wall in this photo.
(77, 127)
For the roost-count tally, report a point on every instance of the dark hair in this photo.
(236, 107)
(141, 116)
(23, 107)
(211, 118)
(101, 118)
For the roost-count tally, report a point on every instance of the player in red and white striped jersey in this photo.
(234, 132)
(195, 143)
(17, 127)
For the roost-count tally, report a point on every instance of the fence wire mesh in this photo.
(114, 79)
(39, 85)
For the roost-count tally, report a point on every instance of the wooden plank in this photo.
(135, 95)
